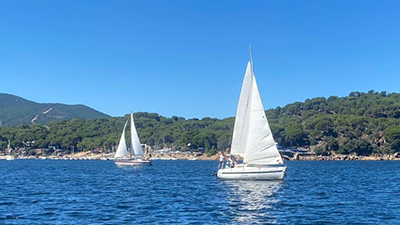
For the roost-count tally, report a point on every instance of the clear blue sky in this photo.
(188, 58)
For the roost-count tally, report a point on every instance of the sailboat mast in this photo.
(132, 150)
(251, 59)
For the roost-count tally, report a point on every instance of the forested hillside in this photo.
(15, 111)
(361, 123)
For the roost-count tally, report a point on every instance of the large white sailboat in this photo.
(252, 138)
(135, 156)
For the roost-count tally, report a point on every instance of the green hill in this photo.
(360, 123)
(15, 110)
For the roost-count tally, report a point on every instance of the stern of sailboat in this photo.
(252, 173)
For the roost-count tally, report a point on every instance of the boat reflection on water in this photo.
(252, 201)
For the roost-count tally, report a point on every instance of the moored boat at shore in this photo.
(10, 157)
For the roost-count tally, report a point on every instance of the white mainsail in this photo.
(252, 137)
(240, 130)
(260, 144)
(136, 147)
(122, 150)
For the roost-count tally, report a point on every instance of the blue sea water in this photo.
(187, 192)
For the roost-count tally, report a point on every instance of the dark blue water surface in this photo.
(187, 192)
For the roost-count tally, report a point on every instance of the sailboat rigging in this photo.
(252, 137)
(135, 156)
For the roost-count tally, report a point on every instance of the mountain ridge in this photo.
(15, 110)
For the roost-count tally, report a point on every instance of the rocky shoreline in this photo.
(110, 156)
(338, 157)
(200, 156)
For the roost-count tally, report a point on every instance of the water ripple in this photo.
(187, 192)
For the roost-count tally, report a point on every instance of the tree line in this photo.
(361, 123)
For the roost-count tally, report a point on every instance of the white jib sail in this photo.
(261, 147)
(240, 130)
(122, 150)
(135, 143)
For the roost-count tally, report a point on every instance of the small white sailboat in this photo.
(10, 157)
(252, 138)
(135, 156)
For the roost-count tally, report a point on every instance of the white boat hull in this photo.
(241, 172)
(132, 162)
(10, 157)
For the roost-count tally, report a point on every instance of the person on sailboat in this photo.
(231, 161)
(221, 160)
(148, 157)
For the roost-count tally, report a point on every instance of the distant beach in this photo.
(177, 155)
(89, 155)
